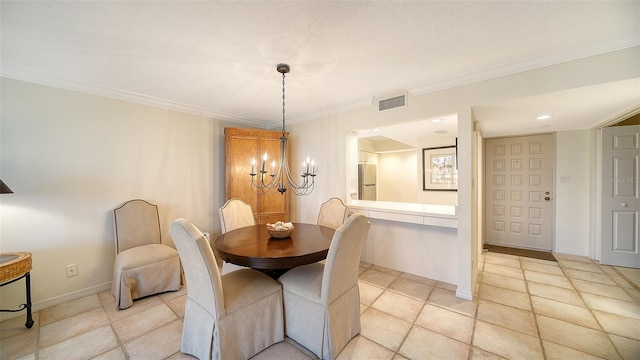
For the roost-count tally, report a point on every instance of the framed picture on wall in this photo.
(440, 169)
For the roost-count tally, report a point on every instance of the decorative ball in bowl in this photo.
(280, 230)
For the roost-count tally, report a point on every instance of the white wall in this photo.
(70, 158)
(397, 174)
(572, 186)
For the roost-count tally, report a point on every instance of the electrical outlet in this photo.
(72, 270)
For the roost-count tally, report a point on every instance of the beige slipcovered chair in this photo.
(143, 265)
(234, 214)
(322, 301)
(234, 316)
(333, 213)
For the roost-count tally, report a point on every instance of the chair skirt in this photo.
(144, 270)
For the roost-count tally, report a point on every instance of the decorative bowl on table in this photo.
(280, 230)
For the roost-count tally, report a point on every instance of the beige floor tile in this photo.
(568, 296)
(113, 354)
(621, 281)
(447, 299)
(386, 270)
(178, 304)
(612, 291)
(539, 261)
(167, 296)
(505, 282)
(158, 344)
(614, 306)
(397, 305)
(84, 346)
(631, 274)
(560, 256)
(479, 354)
(363, 308)
(506, 343)
(26, 357)
(542, 268)
(503, 270)
(419, 279)
(490, 254)
(143, 322)
(504, 261)
(601, 278)
(619, 325)
(20, 344)
(635, 294)
(107, 299)
(506, 297)
(368, 293)
(425, 344)
(72, 326)
(15, 326)
(571, 313)
(580, 265)
(542, 278)
(507, 317)
(375, 277)
(629, 349)
(360, 348)
(383, 328)
(576, 337)
(182, 356)
(281, 350)
(62, 311)
(138, 306)
(445, 322)
(558, 352)
(414, 289)
(446, 286)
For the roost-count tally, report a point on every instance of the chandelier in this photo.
(280, 178)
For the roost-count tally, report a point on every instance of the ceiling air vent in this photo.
(390, 103)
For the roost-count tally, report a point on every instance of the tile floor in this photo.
(524, 309)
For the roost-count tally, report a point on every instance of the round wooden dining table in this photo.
(252, 246)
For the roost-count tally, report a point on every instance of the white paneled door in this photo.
(519, 192)
(620, 195)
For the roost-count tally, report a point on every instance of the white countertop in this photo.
(425, 214)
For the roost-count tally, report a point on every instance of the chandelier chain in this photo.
(283, 75)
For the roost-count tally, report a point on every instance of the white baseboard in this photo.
(464, 295)
(57, 300)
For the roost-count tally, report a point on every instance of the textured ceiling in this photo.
(219, 58)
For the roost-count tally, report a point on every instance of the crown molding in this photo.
(621, 43)
(119, 94)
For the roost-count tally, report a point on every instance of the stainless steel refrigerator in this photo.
(367, 182)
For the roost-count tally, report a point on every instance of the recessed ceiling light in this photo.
(376, 129)
(436, 120)
(543, 117)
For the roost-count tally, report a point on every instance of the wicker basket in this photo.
(279, 234)
(14, 264)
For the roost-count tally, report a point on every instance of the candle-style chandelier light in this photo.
(280, 178)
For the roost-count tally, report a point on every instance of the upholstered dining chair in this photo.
(333, 213)
(143, 265)
(322, 301)
(234, 316)
(234, 214)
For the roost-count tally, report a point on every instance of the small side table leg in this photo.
(29, 322)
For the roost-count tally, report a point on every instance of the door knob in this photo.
(624, 204)
(547, 198)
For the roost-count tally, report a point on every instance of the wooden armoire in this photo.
(241, 147)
